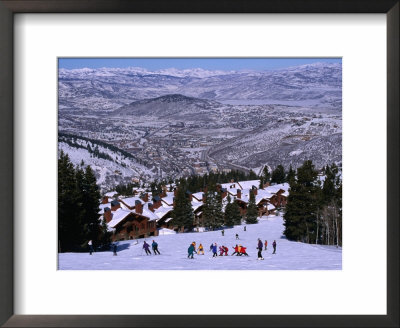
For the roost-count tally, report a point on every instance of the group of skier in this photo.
(239, 250)
(154, 246)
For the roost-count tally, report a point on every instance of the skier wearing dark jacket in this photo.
(154, 245)
(146, 247)
(259, 247)
(191, 250)
(274, 246)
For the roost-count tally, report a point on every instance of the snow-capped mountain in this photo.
(182, 122)
(315, 85)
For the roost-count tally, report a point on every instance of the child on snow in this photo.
(200, 250)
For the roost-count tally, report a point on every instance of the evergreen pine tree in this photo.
(301, 210)
(261, 186)
(183, 212)
(266, 174)
(278, 175)
(291, 175)
(236, 216)
(213, 216)
(252, 175)
(228, 212)
(251, 215)
(218, 213)
(91, 203)
(70, 234)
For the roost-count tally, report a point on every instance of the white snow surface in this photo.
(173, 247)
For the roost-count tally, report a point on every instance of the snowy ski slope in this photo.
(173, 247)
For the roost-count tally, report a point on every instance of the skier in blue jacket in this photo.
(191, 250)
(154, 245)
(214, 250)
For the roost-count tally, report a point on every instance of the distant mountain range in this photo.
(107, 89)
(175, 123)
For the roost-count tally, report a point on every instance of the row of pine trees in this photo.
(313, 212)
(78, 207)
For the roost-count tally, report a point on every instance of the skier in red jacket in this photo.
(226, 249)
(243, 251)
(236, 250)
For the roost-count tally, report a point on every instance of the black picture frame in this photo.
(10, 7)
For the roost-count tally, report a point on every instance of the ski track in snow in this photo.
(289, 255)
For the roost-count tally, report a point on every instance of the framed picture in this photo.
(47, 49)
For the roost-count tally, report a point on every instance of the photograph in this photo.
(199, 163)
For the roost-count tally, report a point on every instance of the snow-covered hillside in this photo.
(110, 167)
(289, 255)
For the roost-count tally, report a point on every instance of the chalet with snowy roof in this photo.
(129, 224)
(143, 215)
(280, 193)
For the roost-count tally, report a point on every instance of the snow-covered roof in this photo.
(169, 219)
(198, 196)
(169, 199)
(130, 201)
(111, 194)
(275, 188)
(270, 207)
(149, 214)
(162, 211)
(228, 186)
(263, 194)
(118, 216)
(249, 184)
(102, 207)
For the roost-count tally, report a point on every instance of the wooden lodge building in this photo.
(139, 217)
